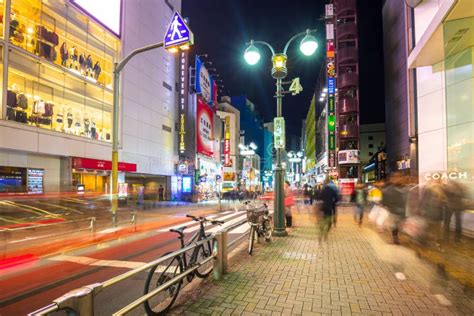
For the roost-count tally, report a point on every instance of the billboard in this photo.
(227, 142)
(348, 156)
(105, 12)
(204, 128)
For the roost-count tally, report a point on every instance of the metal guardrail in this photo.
(81, 301)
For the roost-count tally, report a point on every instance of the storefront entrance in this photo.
(93, 181)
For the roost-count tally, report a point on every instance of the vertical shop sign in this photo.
(227, 142)
(331, 86)
(204, 128)
(183, 99)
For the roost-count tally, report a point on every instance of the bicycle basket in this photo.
(255, 215)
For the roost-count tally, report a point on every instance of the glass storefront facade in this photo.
(59, 69)
(459, 82)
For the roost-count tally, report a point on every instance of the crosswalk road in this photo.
(229, 218)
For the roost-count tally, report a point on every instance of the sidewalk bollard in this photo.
(224, 252)
(79, 301)
(3, 241)
(134, 221)
(218, 260)
(92, 227)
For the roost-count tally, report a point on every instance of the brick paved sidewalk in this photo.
(355, 272)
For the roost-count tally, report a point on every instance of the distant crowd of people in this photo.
(425, 213)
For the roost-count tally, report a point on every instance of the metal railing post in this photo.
(225, 249)
(134, 221)
(4, 237)
(218, 269)
(79, 301)
(93, 227)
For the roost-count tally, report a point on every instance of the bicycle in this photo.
(160, 274)
(260, 222)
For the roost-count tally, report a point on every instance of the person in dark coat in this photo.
(329, 198)
(394, 197)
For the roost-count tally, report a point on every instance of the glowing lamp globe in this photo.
(308, 45)
(252, 55)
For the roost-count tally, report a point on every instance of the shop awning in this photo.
(431, 48)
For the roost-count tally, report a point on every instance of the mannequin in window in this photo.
(64, 54)
(77, 125)
(89, 65)
(60, 121)
(82, 63)
(69, 121)
(73, 56)
(97, 70)
(14, 24)
(93, 129)
(87, 124)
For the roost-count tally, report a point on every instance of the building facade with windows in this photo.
(57, 91)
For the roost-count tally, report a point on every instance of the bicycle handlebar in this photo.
(203, 219)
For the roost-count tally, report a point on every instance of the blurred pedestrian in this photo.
(289, 202)
(394, 198)
(455, 195)
(333, 186)
(329, 198)
(359, 197)
(161, 193)
(432, 207)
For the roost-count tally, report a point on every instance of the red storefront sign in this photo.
(95, 164)
(204, 128)
(330, 49)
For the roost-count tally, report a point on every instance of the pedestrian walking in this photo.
(329, 198)
(394, 198)
(289, 202)
(334, 209)
(359, 197)
(161, 192)
(455, 205)
(432, 206)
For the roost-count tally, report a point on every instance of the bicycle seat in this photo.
(179, 231)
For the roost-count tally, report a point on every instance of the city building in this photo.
(438, 83)
(443, 56)
(346, 59)
(400, 108)
(231, 139)
(372, 139)
(310, 143)
(251, 131)
(56, 109)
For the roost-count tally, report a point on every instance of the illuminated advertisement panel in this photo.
(105, 12)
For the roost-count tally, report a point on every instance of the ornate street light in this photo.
(279, 71)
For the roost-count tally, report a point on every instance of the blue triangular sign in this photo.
(178, 32)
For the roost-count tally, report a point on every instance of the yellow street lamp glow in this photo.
(172, 49)
(252, 54)
(279, 69)
(184, 47)
(308, 44)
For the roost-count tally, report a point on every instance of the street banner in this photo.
(279, 132)
(204, 128)
(227, 142)
(203, 81)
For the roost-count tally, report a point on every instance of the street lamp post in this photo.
(308, 46)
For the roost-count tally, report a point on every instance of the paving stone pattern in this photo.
(352, 274)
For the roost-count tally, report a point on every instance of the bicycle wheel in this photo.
(158, 275)
(268, 230)
(200, 254)
(251, 239)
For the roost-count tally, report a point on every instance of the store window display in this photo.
(49, 99)
(58, 33)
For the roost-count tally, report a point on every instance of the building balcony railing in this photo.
(348, 105)
(347, 55)
(345, 7)
(347, 80)
(349, 130)
(346, 31)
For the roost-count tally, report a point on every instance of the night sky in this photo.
(222, 27)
